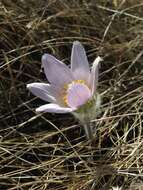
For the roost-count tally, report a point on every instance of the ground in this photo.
(50, 151)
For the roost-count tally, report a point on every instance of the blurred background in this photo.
(50, 151)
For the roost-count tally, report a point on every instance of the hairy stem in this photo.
(88, 131)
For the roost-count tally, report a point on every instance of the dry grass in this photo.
(39, 152)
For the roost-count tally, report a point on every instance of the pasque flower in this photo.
(68, 88)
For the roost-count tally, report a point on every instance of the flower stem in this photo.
(88, 131)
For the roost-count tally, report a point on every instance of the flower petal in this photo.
(79, 62)
(53, 108)
(94, 74)
(77, 95)
(44, 91)
(56, 72)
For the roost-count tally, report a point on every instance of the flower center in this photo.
(77, 93)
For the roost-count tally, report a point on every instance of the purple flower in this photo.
(69, 88)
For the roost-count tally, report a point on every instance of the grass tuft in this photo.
(50, 151)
